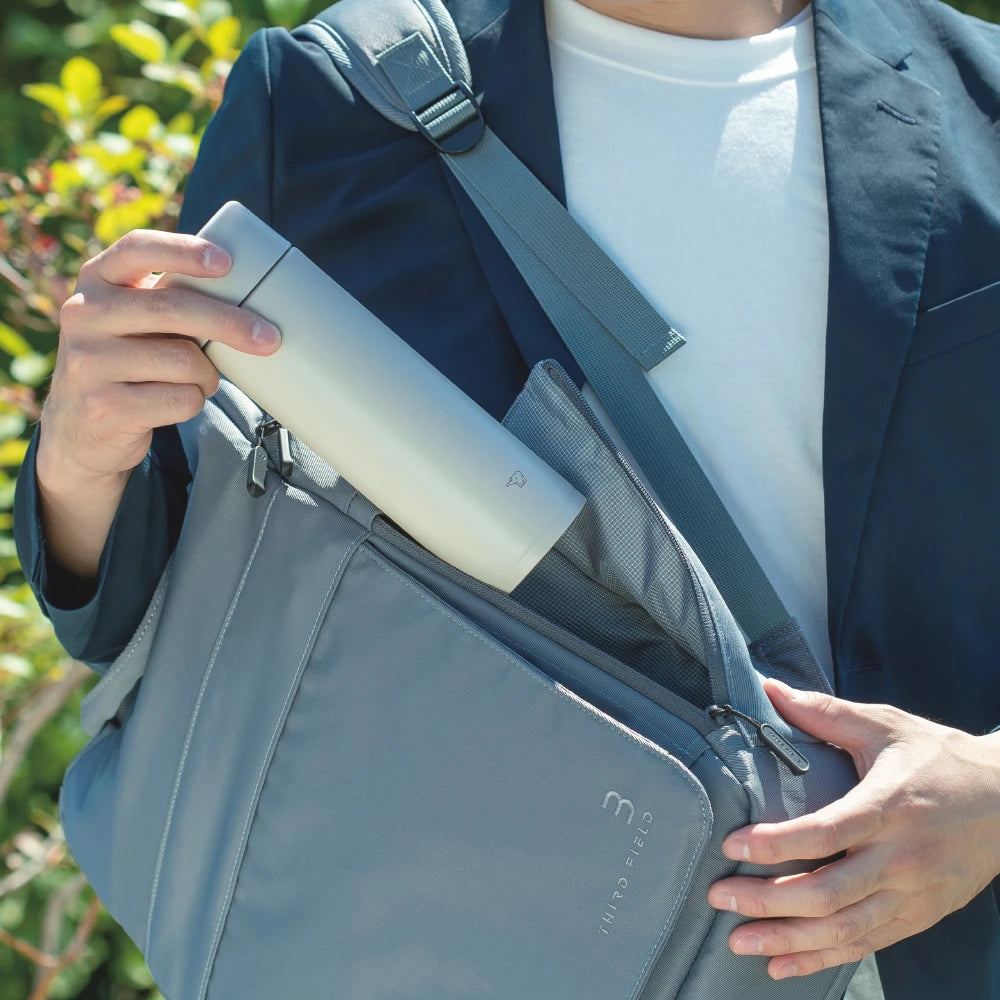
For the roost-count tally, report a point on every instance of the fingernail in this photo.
(748, 944)
(216, 259)
(784, 970)
(721, 899)
(736, 849)
(265, 334)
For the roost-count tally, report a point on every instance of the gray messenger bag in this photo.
(330, 766)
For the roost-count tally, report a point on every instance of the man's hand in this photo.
(921, 832)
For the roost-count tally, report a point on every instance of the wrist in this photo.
(990, 750)
(62, 481)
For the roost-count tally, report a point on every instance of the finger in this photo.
(789, 937)
(142, 251)
(848, 724)
(811, 894)
(127, 312)
(144, 405)
(808, 962)
(843, 824)
(156, 359)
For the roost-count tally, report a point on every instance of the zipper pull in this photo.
(257, 462)
(285, 452)
(257, 466)
(796, 762)
(269, 426)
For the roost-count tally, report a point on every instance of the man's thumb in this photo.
(845, 723)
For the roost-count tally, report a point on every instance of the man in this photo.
(809, 195)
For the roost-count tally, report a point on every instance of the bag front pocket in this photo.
(440, 819)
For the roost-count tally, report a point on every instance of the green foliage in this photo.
(102, 107)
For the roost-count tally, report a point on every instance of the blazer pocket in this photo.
(955, 323)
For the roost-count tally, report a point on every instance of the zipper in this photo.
(257, 460)
(779, 747)
(796, 762)
(632, 678)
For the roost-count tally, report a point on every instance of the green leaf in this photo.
(12, 451)
(181, 46)
(10, 608)
(224, 36)
(181, 76)
(81, 78)
(141, 39)
(140, 123)
(53, 97)
(30, 368)
(286, 13)
(110, 106)
(19, 666)
(12, 342)
(181, 124)
(176, 9)
(11, 425)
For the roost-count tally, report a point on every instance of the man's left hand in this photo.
(921, 832)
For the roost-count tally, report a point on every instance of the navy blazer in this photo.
(909, 108)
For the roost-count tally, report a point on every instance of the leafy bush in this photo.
(122, 126)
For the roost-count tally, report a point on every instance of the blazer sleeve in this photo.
(94, 624)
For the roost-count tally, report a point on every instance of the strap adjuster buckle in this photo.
(453, 122)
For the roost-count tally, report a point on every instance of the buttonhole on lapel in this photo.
(890, 110)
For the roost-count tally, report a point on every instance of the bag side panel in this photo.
(243, 693)
(116, 793)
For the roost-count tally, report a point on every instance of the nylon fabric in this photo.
(271, 658)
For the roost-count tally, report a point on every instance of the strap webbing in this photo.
(608, 326)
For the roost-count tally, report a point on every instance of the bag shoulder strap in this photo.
(405, 57)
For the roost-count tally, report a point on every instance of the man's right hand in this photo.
(128, 360)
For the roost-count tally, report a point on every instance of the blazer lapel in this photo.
(880, 139)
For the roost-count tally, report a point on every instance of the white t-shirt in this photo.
(698, 166)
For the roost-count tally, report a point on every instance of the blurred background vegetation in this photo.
(102, 104)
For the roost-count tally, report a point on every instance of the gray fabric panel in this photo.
(409, 882)
(784, 653)
(104, 700)
(114, 804)
(866, 984)
(250, 676)
(590, 681)
(618, 541)
(731, 809)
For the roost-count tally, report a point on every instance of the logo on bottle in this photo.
(517, 479)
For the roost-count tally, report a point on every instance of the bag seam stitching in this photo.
(165, 836)
(268, 756)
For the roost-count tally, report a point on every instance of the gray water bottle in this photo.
(385, 418)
